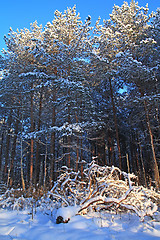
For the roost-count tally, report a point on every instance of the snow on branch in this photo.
(65, 129)
(105, 188)
(37, 75)
(98, 188)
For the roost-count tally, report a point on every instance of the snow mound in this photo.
(67, 212)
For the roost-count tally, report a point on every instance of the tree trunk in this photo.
(138, 167)
(69, 106)
(37, 161)
(22, 176)
(21, 142)
(116, 124)
(7, 144)
(52, 150)
(133, 153)
(143, 167)
(128, 166)
(45, 164)
(110, 149)
(32, 141)
(13, 153)
(69, 137)
(1, 152)
(77, 149)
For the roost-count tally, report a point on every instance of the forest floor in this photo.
(19, 225)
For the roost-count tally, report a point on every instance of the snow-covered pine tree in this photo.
(65, 45)
(134, 44)
(125, 34)
(21, 62)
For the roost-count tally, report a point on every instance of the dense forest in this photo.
(71, 92)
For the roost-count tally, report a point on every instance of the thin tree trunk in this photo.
(45, 164)
(132, 154)
(81, 136)
(110, 149)
(104, 151)
(13, 153)
(22, 176)
(37, 160)
(77, 150)
(116, 124)
(69, 106)
(52, 161)
(32, 141)
(1, 151)
(138, 167)
(143, 167)
(77, 155)
(128, 167)
(52, 149)
(69, 137)
(7, 145)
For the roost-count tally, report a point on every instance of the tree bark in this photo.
(116, 124)
(7, 144)
(77, 149)
(37, 160)
(22, 175)
(1, 150)
(32, 141)
(143, 167)
(69, 137)
(13, 153)
(110, 148)
(52, 150)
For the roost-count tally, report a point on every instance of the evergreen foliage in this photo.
(70, 92)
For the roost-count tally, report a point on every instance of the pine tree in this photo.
(137, 52)
(65, 41)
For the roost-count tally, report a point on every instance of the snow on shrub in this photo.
(104, 188)
(100, 188)
(14, 199)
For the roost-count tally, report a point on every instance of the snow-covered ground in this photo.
(18, 225)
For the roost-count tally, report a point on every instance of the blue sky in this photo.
(20, 13)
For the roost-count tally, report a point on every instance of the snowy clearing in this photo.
(18, 225)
